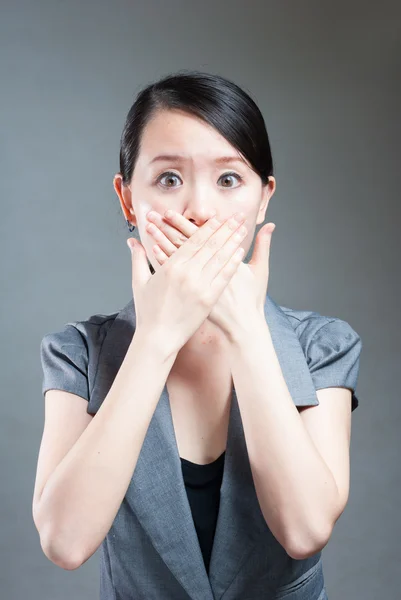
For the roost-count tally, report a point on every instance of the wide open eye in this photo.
(231, 174)
(170, 175)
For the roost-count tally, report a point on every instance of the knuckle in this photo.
(208, 299)
(205, 299)
(179, 241)
(171, 269)
(219, 258)
(211, 242)
(196, 241)
(226, 274)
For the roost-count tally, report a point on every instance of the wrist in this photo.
(247, 329)
(155, 343)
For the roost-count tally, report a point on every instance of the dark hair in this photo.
(218, 101)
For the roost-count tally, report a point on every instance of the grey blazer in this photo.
(151, 551)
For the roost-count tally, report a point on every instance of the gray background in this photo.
(327, 78)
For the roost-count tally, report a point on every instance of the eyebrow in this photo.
(178, 157)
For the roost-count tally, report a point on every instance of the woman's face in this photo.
(193, 184)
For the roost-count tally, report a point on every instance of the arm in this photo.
(296, 489)
(83, 494)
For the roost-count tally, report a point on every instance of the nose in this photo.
(201, 202)
(200, 216)
(200, 220)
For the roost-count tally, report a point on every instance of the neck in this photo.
(207, 345)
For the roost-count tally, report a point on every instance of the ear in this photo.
(267, 192)
(125, 196)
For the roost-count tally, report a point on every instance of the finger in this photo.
(161, 256)
(261, 254)
(170, 230)
(226, 253)
(140, 268)
(160, 237)
(206, 241)
(215, 246)
(181, 223)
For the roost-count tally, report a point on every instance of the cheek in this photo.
(247, 241)
(250, 225)
(141, 210)
(148, 241)
(246, 244)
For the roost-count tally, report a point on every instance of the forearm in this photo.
(83, 495)
(296, 490)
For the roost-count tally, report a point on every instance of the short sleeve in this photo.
(334, 356)
(64, 358)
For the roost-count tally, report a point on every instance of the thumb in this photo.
(261, 251)
(140, 268)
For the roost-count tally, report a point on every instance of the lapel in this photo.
(157, 492)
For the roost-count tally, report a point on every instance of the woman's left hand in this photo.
(245, 294)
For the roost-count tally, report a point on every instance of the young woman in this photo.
(200, 435)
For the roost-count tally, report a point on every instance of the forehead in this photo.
(177, 132)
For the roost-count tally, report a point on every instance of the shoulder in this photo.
(85, 333)
(70, 354)
(332, 349)
(312, 327)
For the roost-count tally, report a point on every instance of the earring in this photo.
(131, 227)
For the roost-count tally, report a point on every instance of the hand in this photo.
(245, 294)
(173, 303)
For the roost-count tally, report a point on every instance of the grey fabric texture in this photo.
(151, 550)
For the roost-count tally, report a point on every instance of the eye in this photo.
(231, 174)
(170, 175)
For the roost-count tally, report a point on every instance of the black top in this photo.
(202, 483)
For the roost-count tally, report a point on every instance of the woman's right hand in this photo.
(174, 302)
